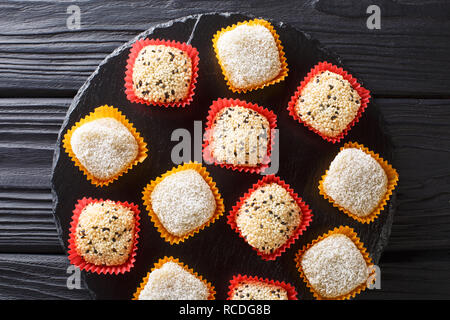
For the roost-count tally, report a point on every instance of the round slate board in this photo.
(217, 252)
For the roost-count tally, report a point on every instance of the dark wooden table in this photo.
(405, 64)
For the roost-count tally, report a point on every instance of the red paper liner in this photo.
(78, 261)
(349, 232)
(234, 282)
(134, 52)
(160, 263)
(305, 216)
(220, 104)
(317, 69)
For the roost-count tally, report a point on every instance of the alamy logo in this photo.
(73, 22)
(248, 148)
(374, 20)
(74, 279)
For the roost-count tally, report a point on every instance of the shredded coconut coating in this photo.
(240, 136)
(162, 74)
(258, 291)
(105, 147)
(173, 282)
(328, 103)
(105, 233)
(268, 217)
(334, 266)
(249, 56)
(356, 181)
(183, 201)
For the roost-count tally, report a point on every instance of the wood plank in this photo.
(28, 131)
(40, 56)
(421, 222)
(414, 276)
(420, 134)
(40, 277)
(410, 275)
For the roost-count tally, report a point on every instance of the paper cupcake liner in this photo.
(284, 67)
(105, 111)
(166, 235)
(349, 232)
(220, 104)
(391, 174)
(79, 261)
(306, 216)
(134, 52)
(234, 282)
(317, 69)
(160, 263)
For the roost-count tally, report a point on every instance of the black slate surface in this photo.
(217, 252)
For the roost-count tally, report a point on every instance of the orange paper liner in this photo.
(220, 104)
(284, 67)
(391, 174)
(79, 261)
(234, 282)
(160, 263)
(305, 215)
(134, 52)
(159, 226)
(349, 232)
(317, 69)
(105, 111)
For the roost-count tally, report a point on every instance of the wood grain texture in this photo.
(410, 275)
(37, 276)
(26, 223)
(40, 56)
(28, 131)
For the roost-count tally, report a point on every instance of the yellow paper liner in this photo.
(284, 67)
(160, 263)
(159, 226)
(349, 232)
(391, 174)
(105, 111)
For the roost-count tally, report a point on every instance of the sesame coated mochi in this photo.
(105, 233)
(268, 218)
(173, 282)
(162, 74)
(249, 55)
(334, 266)
(328, 103)
(356, 181)
(105, 147)
(252, 290)
(183, 201)
(240, 136)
